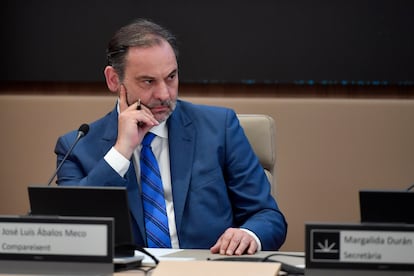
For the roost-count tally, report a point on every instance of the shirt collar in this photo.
(161, 130)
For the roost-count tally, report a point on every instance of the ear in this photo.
(112, 79)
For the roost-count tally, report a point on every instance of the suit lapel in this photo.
(181, 143)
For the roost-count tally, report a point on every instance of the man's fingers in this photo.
(247, 244)
(252, 247)
(225, 243)
(123, 102)
(234, 242)
(216, 248)
(142, 114)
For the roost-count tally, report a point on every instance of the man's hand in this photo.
(235, 241)
(133, 124)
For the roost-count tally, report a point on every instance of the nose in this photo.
(162, 91)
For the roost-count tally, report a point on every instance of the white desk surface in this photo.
(297, 258)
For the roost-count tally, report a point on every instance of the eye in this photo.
(148, 81)
(172, 76)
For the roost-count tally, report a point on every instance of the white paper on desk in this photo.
(160, 254)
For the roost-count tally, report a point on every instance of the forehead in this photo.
(160, 54)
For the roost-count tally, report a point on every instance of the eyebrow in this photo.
(145, 77)
(175, 71)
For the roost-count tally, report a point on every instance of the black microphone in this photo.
(82, 131)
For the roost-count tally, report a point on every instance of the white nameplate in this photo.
(53, 238)
(50, 236)
(384, 246)
(377, 246)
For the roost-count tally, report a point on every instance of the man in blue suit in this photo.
(216, 192)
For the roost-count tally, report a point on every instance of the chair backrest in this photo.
(261, 132)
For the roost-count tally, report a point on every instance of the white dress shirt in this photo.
(161, 151)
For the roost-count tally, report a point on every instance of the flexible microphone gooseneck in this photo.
(82, 131)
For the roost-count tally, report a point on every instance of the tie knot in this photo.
(148, 139)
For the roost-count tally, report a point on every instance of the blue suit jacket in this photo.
(217, 181)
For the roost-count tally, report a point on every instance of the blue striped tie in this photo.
(155, 215)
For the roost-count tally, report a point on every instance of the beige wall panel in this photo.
(327, 149)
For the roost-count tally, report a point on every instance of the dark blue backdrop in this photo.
(230, 41)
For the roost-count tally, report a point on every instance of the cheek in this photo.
(174, 89)
(130, 99)
(173, 93)
(135, 92)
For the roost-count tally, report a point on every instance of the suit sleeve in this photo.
(84, 167)
(249, 190)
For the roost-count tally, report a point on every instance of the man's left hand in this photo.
(235, 241)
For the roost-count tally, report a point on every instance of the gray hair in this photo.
(139, 33)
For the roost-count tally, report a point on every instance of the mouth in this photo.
(163, 107)
(154, 109)
(162, 110)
